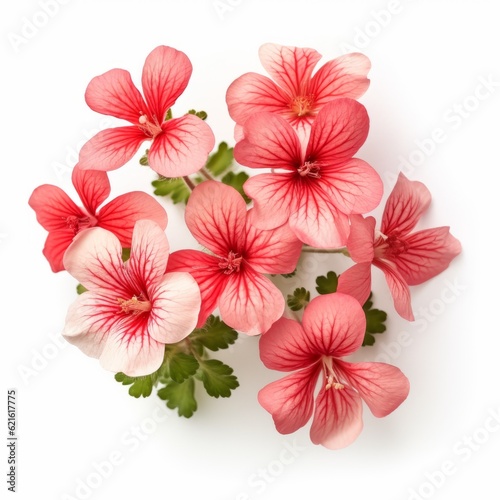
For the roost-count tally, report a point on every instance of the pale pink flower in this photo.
(179, 147)
(333, 326)
(295, 94)
(405, 257)
(231, 277)
(315, 187)
(132, 309)
(63, 219)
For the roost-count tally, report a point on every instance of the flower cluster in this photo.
(149, 316)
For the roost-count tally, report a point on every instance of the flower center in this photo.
(231, 263)
(302, 105)
(76, 224)
(390, 246)
(331, 377)
(149, 127)
(134, 305)
(309, 169)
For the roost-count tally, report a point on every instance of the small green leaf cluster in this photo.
(184, 364)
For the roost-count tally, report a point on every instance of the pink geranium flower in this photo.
(317, 186)
(131, 309)
(405, 257)
(333, 326)
(63, 219)
(179, 147)
(295, 94)
(231, 276)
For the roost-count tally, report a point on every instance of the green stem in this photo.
(342, 250)
(206, 174)
(189, 183)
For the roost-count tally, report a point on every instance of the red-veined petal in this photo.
(282, 347)
(250, 302)
(335, 325)
(404, 207)
(383, 387)
(56, 244)
(182, 147)
(290, 67)
(361, 238)
(344, 76)
(120, 215)
(337, 420)
(113, 93)
(356, 281)
(92, 186)
(290, 400)
(165, 75)
(111, 148)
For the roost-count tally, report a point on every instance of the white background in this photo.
(428, 61)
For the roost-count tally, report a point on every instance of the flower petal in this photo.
(338, 131)
(344, 76)
(148, 254)
(176, 304)
(253, 93)
(113, 93)
(357, 282)
(110, 148)
(290, 400)
(404, 207)
(273, 197)
(361, 238)
(182, 148)
(275, 251)
(269, 142)
(95, 260)
(335, 325)
(120, 215)
(337, 420)
(165, 76)
(429, 253)
(216, 216)
(354, 187)
(290, 67)
(92, 186)
(250, 302)
(383, 387)
(282, 347)
(205, 270)
(398, 288)
(56, 244)
(53, 206)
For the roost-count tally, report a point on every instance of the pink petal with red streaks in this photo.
(356, 282)
(92, 187)
(56, 244)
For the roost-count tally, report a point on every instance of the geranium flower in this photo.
(231, 276)
(179, 147)
(320, 184)
(405, 257)
(295, 94)
(63, 219)
(131, 309)
(333, 326)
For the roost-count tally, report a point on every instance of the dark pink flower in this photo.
(295, 94)
(333, 326)
(231, 277)
(179, 147)
(406, 257)
(317, 185)
(132, 309)
(63, 219)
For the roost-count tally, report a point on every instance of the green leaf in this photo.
(180, 396)
(327, 284)
(80, 289)
(169, 115)
(214, 335)
(175, 188)
(237, 181)
(290, 275)
(299, 299)
(217, 378)
(139, 386)
(144, 159)
(221, 160)
(182, 366)
(200, 114)
(375, 319)
(125, 254)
